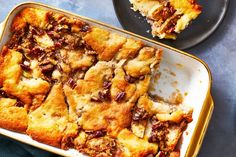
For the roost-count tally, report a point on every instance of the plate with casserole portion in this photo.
(78, 87)
(178, 23)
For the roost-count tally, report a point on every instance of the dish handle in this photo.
(202, 126)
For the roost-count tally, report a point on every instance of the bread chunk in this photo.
(12, 117)
(134, 146)
(48, 122)
(33, 16)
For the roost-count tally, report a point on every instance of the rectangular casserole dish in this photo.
(179, 71)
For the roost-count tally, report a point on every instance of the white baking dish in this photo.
(179, 71)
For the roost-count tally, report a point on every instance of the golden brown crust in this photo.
(108, 116)
(11, 73)
(33, 16)
(70, 134)
(142, 88)
(78, 59)
(129, 49)
(175, 154)
(10, 67)
(146, 103)
(100, 147)
(114, 43)
(141, 65)
(176, 116)
(11, 116)
(119, 84)
(138, 127)
(97, 39)
(134, 146)
(47, 136)
(18, 23)
(11, 78)
(98, 116)
(94, 79)
(106, 44)
(47, 123)
(2, 54)
(72, 100)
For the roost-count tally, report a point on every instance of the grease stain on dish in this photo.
(179, 65)
(174, 84)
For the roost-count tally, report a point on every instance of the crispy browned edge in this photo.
(35, 17)
(12, 123)
(46, 137)
(18, 120)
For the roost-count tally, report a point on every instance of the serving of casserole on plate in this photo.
(167, 17)
(140, 16)
(82, 86)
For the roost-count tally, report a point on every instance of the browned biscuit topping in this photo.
(71, 85)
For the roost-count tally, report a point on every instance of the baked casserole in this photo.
(68, 84)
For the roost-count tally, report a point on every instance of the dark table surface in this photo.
(218, 51)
